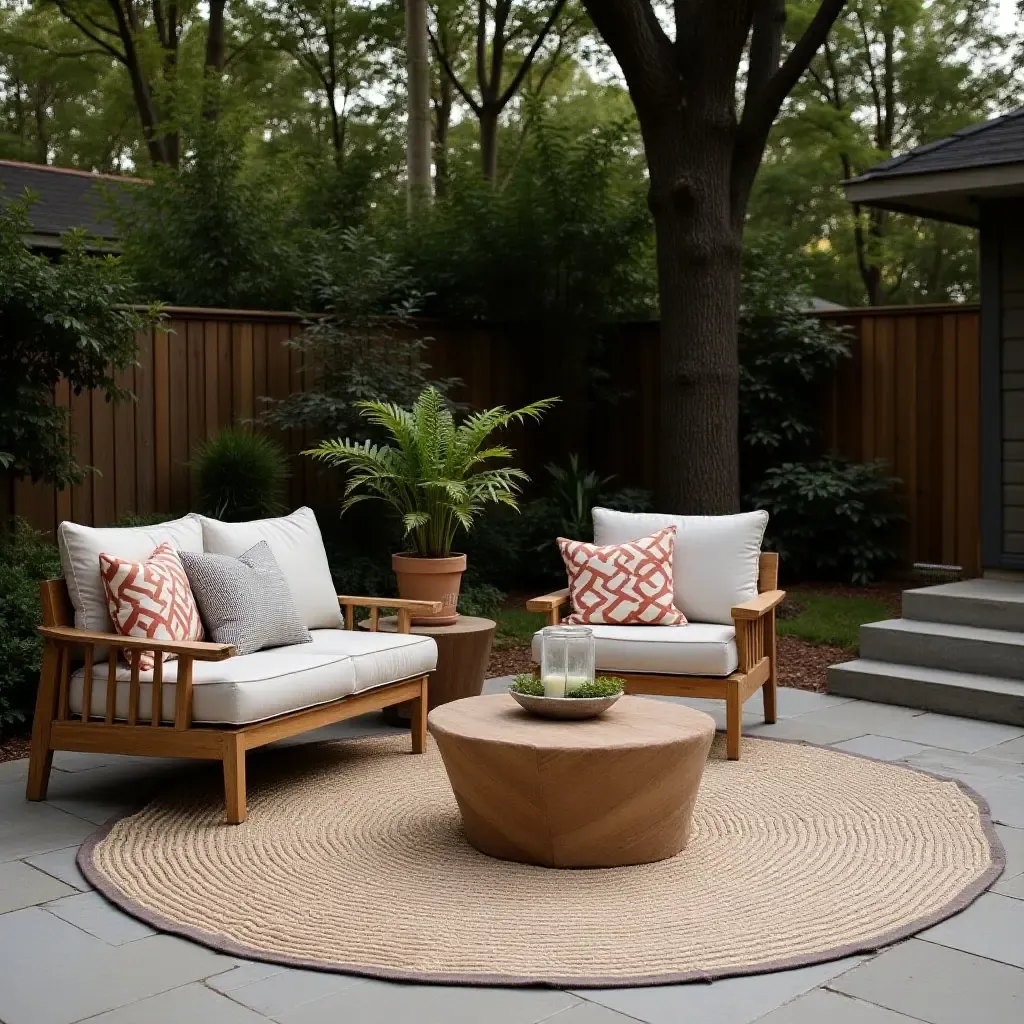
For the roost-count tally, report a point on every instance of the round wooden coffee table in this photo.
(604, 792)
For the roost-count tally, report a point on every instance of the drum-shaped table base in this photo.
(603, 792)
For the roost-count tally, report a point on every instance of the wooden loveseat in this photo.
(89, 702)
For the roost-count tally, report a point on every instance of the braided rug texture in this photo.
(353, 860)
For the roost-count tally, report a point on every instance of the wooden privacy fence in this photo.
(909, 395)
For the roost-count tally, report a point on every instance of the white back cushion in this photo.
(298, 547)
(716, 557)
(80, 548)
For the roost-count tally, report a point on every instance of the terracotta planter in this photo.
(431, 579)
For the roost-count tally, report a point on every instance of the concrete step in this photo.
(990, 698)
(989, 604)
(984, 652)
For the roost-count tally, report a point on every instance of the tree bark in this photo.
(418, 139)
(442, 125)
(489, 142)
(213, 63)
(699, 249)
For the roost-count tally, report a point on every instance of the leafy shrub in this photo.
(478, 598)
(25, 560)
(364, 348)
(242, 475)
(831, 518)
(602, 686)
(63, 318)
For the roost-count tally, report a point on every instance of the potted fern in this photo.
(438, 475)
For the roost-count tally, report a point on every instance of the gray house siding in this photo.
(1002, 400)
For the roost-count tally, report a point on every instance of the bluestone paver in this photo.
(382, 1002)
(589, 1013)
(93, 914)
(937, 984)
(882, 748)
(1011, 750)
(245, 973)
(62, 864)
(53, 973)
(823, 1007)
(1012, 840)
(32, 828)
(992, 926)
(24, 886)
(730, 1001)
(799, 728)
(1012, 887)
(958, 765)
(190, 1004)
(289, 988)
(966, 734)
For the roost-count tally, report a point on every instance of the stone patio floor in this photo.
(66, 955)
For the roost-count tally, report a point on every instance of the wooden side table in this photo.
(463, 651)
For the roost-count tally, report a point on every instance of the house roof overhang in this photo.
(952, 195)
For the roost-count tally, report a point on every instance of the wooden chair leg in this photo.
(733, 720)
(40, 752)
(770, 688)
(234, 778)
(418, 719)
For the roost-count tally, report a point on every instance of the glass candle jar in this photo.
(566, 659)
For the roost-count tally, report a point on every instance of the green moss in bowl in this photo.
(602, 686)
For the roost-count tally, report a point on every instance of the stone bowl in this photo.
(564, 708)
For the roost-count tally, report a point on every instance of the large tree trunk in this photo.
(418, 140)
(489, 142)
(699, 248)
(213, 61)
(442, 125)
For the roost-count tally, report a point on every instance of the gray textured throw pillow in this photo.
(244, 601)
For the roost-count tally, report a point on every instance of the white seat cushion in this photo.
(80, 548)
(254, 687)
(298, 548)
(716, 560)
(378, 658)
(696, 649)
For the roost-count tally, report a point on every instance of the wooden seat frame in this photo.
(755, 646)
(55, 728)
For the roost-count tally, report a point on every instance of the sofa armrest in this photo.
(406, 609)
(758, 606)
(550, 604)
(198, 650)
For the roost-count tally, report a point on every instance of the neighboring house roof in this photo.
(819, 305)
(948, 178)
(66, 199)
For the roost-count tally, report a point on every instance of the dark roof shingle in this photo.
(66, 198)
(999, 141)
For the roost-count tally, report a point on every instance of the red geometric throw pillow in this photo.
(622, 584)
(152, 599)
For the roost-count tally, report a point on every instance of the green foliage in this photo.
(832, 618)
(62, 318)
(574, 493)
(784, 357)
(483, 599)
(241, 475)
(435, 473)
(830, 519)
(602, 686)
(516, 627)
(25, 560)
(567, 240)
(893, 76)
(216, 232)
(364, 347)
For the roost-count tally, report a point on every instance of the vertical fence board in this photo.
(908, 394)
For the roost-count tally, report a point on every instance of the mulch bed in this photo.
(13, 747)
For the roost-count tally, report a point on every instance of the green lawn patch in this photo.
(516, 627)
(832, 619)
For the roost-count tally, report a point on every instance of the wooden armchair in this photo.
(754, 621)
(56, 727)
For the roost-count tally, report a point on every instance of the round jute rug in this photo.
(353, 860)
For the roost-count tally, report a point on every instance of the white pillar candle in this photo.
(573, 683)
(554, 686)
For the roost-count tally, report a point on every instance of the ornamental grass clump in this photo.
(602, 686)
